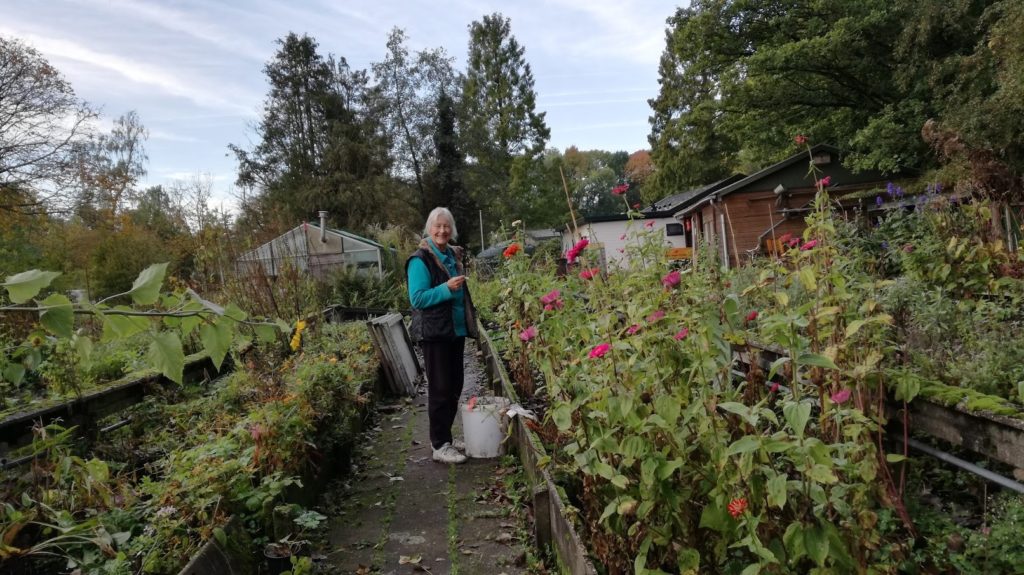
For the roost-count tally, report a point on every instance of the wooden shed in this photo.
(314, 249)
(741, 219)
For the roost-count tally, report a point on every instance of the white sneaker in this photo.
(448, 454)
(459, 444)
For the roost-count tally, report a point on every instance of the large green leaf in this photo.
(166, 355)
(816, 544)
(122, 326)
(668, 408)
(562, 416)
(24, 286)
(146, 288)
(777, 491)
(59, 317)
(216, 340)
(266, 332)
(14, 373)
(797, 414)
(745, 444)
(816, 360)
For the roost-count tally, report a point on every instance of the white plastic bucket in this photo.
(484, 426)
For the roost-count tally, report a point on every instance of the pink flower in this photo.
(557, 304)
(809, 245)
(784, 238)
(599, 350)
(649, 224)
(590, 273)
(752, 316)
(655, 316)
(550, 297)
(908, 248)
(800, 139)
(841, 396)
(671, 279)
(528, 333)
(622, 250)
(793, 242)
(620, 189)
(574, 251)
(826, 181)
(636, 206)
(773, 388)
(633, 329)
(681, 334)
(622, 237)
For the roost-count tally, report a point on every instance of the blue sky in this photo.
(192, 69)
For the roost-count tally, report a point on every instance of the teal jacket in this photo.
(424, 294)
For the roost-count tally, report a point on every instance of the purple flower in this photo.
(879, 201)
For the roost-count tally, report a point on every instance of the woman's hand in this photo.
(455, 283)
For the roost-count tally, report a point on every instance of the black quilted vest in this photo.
(436, 323)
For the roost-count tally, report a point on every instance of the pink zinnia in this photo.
(551, 296)
(800, 139)
(671, 279)
(633, 329)
(557, 304)
(681, 334)
(773, 388)
(841, 396)
(599, 350)
(737, 506)
(622, 237)
(590, 273)
(655, 316)
(826, 181)
(575, 250)
(809, 245)
(752, 315)
(528, 333)
(649, 224)
(620, 189)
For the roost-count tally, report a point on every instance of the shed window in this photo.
(673, 229)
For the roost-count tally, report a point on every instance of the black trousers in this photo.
(445, 373)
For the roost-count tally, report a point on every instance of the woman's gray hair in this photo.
(433, 216)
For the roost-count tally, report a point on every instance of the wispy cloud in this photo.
(154, 76)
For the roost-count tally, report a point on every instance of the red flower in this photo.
(752, 315)
(826, 181)
(574, 251)
(800, 139)
(773, 388)
(599, 350)
(809, 245)
(590, 273)
(511, 250)
(620, 189)
(737, 506)
(636, 206)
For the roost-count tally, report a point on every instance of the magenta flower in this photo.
(622, 237)
(800, 139)
(633, 329)
(752, 316)
(550, 297)
(671, 279)
(841, 396)
(809, 245)
(528, 333)
(681, 334)
(574, 251)
(599, 350)
(590, 273)
(773, 388)
(557, 304)
(826, 181)
(655, 316)
(620, 189)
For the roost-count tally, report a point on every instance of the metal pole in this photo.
(967, 466)
(483, 244)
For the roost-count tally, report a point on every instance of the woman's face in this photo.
(441, 231)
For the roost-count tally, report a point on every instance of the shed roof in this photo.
(777, 167)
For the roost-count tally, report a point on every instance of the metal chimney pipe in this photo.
(323, 226)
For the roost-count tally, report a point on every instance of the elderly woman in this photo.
(442, 317)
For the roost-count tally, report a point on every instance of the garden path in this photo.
(400, 512)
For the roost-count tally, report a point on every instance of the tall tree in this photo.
(446, 184)
(410, 87)
(110, 167)
(41, 122)
(500, 122)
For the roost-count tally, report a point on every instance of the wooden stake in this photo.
(568, 200)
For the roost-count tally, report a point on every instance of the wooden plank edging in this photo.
(552, 523)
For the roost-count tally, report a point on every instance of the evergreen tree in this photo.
(500, 125)
(448, 187)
